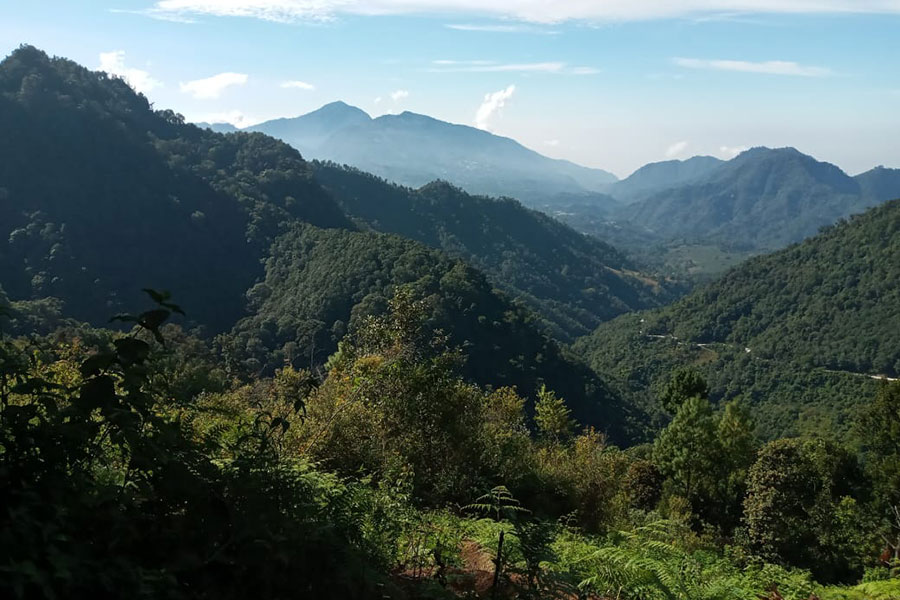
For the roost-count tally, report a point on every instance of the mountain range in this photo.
(413, 149)
(100, 196)
(763, 199)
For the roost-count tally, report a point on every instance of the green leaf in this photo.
(132, 350)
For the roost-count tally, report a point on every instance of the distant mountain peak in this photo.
(413, 149)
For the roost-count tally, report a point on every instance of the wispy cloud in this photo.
(487, 66)
(769, 67)
(676, 149)
(525, 11)
(493, 103)
(114, 64)
(212, 87)
(502, 28)
(399, 95)
(297, 85)
(553, 143)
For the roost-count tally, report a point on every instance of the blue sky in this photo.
(611, 84)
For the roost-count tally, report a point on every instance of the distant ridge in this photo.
(764, 198)
(414, 149)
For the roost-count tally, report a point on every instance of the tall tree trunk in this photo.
(497, 565)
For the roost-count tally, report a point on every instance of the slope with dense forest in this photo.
(100, 196)
(658, 176)
(136, 198)
(573, 281)
(762, 199)
(146, 460)
(803, 328)
(322, 283)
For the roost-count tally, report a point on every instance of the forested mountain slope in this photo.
(413, 149)
(101, 196)
(321, 283)
(762, 199)
(573, 281)
(824, 313)
(657, 176)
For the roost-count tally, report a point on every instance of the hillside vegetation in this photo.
(805, 327)
(573, 281)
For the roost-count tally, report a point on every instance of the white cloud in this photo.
(297, 85)
(552, 142)
(378, 100)
(114, 64)
(584, 70)
(212, 87)
(769, 67)
(731, 151)
(399, 95)
(676, 149)
(533, 11)
(493, 104)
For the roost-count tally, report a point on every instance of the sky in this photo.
(612, 84)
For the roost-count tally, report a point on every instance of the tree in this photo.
(802, 508)
(552, 416)
(683, 384)
(687, 451)
(738, 444)
(783, 490)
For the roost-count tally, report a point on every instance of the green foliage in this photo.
(552, 416)
(123, 179)
(797, 333)
(683, 384)
(96, 465)
(762, 199)
(345, 277)
(802, 508)
(573, 282)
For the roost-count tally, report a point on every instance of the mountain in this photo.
(218, 127)
(658, 176)
(307, 133)
(762, 199)
(413, 149)
(573, 281)
(799, 333)
(321, 283)
(879, 183)
(101, 196)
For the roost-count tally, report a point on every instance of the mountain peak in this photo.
(338, 108)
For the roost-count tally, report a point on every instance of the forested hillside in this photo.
(571, 280)
(231, 224)
(342, 277)
(762, 199)
(101, 196)
(663, 175)
(371, 408)
(799, 329)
